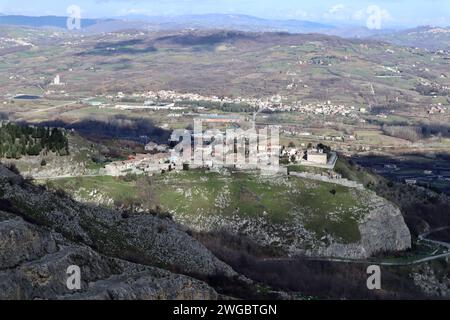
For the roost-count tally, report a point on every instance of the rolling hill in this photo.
(207, 21)
(236, 22)
(428, 37)
(43, 21)
(302, 67)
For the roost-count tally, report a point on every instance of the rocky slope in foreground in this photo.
(42, 234)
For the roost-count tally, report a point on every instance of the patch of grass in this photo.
(112, 187)
(323, 208)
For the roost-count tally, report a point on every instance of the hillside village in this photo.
(162, 158)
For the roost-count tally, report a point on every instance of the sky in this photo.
(391, 13)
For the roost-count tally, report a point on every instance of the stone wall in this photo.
(318, 177)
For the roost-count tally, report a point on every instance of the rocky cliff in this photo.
(34, 262)
(293, 215)
(42, 234)
(382, 229)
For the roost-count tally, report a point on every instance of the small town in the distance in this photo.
(224, 156)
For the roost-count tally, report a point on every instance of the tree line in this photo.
(17, 140)
(418, 132)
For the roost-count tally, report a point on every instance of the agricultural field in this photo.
(229, 63)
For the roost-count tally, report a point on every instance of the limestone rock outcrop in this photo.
(120, 257)
(383, 229)
(38, 270)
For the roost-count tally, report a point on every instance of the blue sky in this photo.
(392, 12)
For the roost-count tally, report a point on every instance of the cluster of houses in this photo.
(166, 100)
(160, 158)
(14, 42)
(157, 159)
(168, 95)
(330, 109)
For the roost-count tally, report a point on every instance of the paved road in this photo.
(367, 262)
(422, 237)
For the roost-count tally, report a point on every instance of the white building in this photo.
(57, 81)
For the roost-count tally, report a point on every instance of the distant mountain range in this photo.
(426, 37)
(43, 21)
(230, 21)
(206, 21)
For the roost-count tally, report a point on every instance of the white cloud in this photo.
(135, 11)
(336, 8)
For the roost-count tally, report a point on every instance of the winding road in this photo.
(422, 238)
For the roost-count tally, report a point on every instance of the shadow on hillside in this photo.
(318, 279)
(430, 171)
(206, 39)
(422, 208)
(117, 127)
(135, 46)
